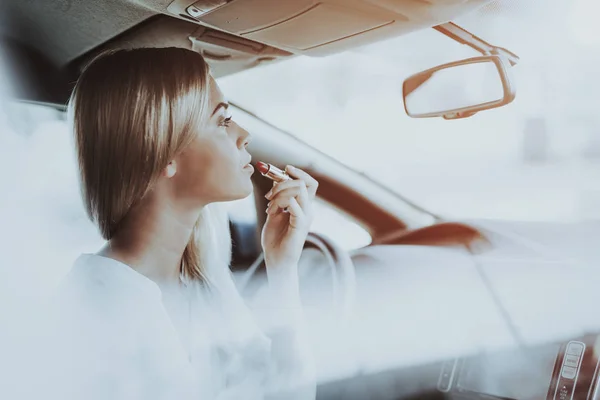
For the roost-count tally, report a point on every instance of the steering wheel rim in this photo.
(342, 272)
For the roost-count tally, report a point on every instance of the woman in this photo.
(155, 314)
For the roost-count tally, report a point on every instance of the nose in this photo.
(243, 137)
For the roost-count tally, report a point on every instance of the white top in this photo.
(112, 338)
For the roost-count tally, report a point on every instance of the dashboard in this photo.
(439, 322)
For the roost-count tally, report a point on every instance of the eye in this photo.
(225, 122)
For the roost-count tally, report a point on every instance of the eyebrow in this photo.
(223, 105)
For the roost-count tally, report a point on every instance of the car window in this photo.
(536, 159)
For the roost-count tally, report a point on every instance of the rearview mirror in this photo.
(459, 89)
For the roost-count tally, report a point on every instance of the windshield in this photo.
(536, 159)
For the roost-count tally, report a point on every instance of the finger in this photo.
(299, 192)
(268, 208)
(282, 186)
(281, 202)
(272, 209)
(296, 214)
(311, 183)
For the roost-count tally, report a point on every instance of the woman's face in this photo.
(212, 168)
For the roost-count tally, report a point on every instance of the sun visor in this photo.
(319, 27)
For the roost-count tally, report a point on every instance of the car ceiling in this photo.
(66, 29)
(67, 32)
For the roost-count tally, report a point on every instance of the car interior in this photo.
(377, 334)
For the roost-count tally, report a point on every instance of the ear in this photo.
(170, 170)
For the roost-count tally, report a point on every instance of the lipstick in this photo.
(272, 172)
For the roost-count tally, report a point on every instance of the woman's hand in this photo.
(290, 214)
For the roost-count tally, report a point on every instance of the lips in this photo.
(248, 167)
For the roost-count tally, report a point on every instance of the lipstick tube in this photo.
(272, 172)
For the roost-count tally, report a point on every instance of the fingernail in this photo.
(269, 193)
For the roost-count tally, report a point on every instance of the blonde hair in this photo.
(132, 111)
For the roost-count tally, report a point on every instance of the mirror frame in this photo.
(505, 76)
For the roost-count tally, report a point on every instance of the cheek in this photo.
(208, 164)
(219, 156)
(206, 153)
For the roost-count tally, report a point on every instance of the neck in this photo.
(152, 239)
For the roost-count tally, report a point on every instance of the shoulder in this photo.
(102, 310)
(109, 330)
(98, 289)
(97, 275)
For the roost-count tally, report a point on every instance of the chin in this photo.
(247, 192)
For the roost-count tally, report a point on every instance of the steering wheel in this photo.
(343, 277)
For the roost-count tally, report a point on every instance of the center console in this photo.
(563, 371)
